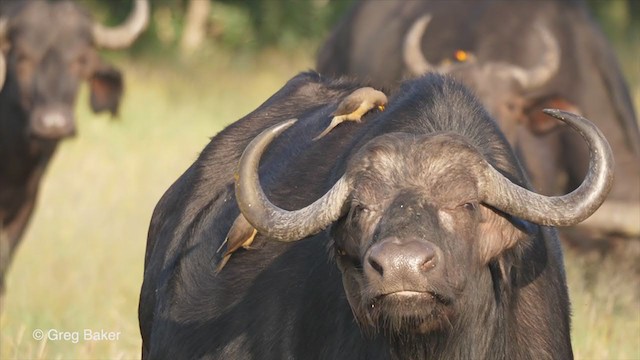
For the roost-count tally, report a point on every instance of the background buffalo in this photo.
(519, 57)
(50, 48)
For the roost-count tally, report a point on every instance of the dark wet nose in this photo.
(394, 260)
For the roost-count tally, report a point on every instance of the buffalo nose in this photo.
(394, 260)
(52, 123)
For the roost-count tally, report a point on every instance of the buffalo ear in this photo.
(498, 234)
(106, 88)
(538, 122)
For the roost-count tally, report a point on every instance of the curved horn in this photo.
(3, 69)
(3, 64)
(546, 68)
(412, 51)
(563, 210)
(3, 28)
(124, 35)
(267, 218)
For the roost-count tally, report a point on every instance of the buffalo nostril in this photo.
(428, 259)
(428, 265)
(376, 266)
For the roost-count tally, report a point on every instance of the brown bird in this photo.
(354, 106)
(241, 235)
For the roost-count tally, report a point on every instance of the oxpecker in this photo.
(240, 235)
(354, 106)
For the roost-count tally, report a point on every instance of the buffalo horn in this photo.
(3, 64)
(3, 29)
(546, 68)
(267, 218)
(3, 69)
(565, 210)
(4, 25)
(412, 51)
(124, 35)
(528, 79)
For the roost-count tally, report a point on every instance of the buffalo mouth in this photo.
(411, 311)
(413, 294)
(47, 137)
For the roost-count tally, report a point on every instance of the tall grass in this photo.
(80, 264)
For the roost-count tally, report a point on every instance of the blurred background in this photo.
(201, 65)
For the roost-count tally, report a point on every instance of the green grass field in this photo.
(80, 264)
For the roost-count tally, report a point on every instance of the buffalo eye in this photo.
(80, 64)
(23, 61)
(346, 258)
(470, 206)
(82, 60)
(22, 57)
(357, 211)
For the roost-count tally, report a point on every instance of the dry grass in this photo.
(606, 305)
(80, 265)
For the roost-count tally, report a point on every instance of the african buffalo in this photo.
(519, 57)
(418, 236)
(50, 47)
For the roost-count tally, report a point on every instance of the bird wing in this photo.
(347, 106)
(240, 235)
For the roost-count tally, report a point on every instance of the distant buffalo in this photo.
(519, 57)
(50, 48)
(409, 235)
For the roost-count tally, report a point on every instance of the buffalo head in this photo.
(507, 90)
(417, 217)
(50, 48)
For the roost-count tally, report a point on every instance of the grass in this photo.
(80, 264)
(606, 306)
